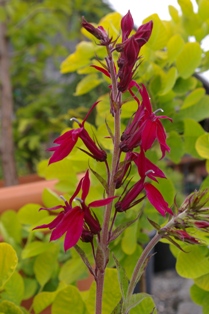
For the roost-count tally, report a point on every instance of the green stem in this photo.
(148, 249)
(102, 262)
(141, 262)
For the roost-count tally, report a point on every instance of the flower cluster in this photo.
(143, 130)
(192, 215)
(76, 221)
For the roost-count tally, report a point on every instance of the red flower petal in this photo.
(156, 199)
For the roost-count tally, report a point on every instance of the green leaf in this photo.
(183, 86)
(159, 36)
(129, 240)
(167, 81)
(186, 6)
(111, 288)
(173, 13)
(197, 112)
(202, 145)
(205, 183)
(203, 282)
(12, 225)
(129, 261)
(80, 58)
(203, 9)
(146, 306)
(31, 287)
(50, 198)
(69, 300)
(198, 295)
(35, 248)
(7, 307)
(194, 263)
(42, 300)
(45, 264)
(86, 84)
(123, 279)
(122, 227)
(30, 215)
(192, 130)
(72, 271)
(58, 170)
(14, 289)
(175, 143)
(174, 47)
(189, 59)
(193, 97)
(134, 300)
(8, 263)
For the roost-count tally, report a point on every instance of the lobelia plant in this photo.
(131, 145)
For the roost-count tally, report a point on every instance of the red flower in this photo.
(201, 224)
(127, 24)
(97, 32)
(183, 236)
(130, 198)
(146, 167)
(145, 127)
(67, 141)
(130, 48)
(156, 199)
(76, 222)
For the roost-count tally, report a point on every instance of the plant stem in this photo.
(99, 291)
(116, 99)
(148, 249)
(141, 262)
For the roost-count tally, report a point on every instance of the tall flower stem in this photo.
(141, 262)
(148, 249)
(116, 100)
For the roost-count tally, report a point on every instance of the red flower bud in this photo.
(127, 25)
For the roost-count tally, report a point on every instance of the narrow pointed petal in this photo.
(85, 186)
(157, 200)
(68, 222)
(52, 224)
(104, 71)
(127, 24)
(103, 202)
(148, 134)
(74, 231)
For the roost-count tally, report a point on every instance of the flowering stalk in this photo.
(144, 128)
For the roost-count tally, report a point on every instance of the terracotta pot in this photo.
(16, 196)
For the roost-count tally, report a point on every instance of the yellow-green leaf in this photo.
(203, 9)
(43, 300)
(14, 289)
(45, 264)
(202, 145)
(193, 97)
(159, 36)
(173, 13)
(189, 59)
(81, 57)
(111, 288)
(86, 84)
(129, 240)
(174, 46)
(194, 263)
(168, 80)
(8, 262)
(8, 307)
(29, 214)
(203, 282)
(69, 300)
